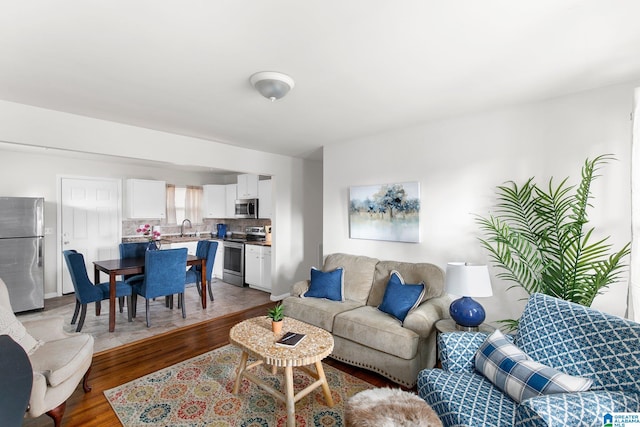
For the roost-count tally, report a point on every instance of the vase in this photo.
(152, 246)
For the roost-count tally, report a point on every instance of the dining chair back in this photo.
(132, 250)
(86, 292)
(164, 274)
(206, 249)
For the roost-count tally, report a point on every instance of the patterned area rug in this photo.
(197, 392)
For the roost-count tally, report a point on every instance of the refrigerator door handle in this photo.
(40, 245)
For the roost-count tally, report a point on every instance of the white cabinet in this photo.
(252, 265)
(264, 199)
(230, 208)
(214, 201)
(266, 268)
(247, 186)
(257, 267)
(191, 246)
(146, 199)
(218, 263)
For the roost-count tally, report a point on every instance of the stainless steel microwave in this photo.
(247, 208)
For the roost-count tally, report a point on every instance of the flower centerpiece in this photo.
(151, 235)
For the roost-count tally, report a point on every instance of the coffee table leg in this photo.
(241, 367)
(291, 404)
(325, 385)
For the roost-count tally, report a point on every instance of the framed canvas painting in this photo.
(385, 212)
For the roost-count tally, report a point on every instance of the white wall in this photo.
(458, 164)
(28, 125)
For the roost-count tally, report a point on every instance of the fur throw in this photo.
(386, 407)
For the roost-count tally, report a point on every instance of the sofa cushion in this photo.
(509, 369)
(10, 325)
(319, 312)
(370, 327)
(358, 274)
(400, 297)
(326, 284)
(431, 275)
(59, 359)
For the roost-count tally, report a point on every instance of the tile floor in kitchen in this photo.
(228, 299)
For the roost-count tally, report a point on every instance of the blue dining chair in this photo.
(87, 292)
(164, 275)
(131, 250)
(205, 249)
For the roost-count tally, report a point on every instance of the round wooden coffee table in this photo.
(255, 339)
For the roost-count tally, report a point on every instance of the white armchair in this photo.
(60, 360)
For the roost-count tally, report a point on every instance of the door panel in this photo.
(90, 221)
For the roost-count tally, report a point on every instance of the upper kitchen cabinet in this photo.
(247, 186)
(146, 199)
(214, 201)
(264, 199)
(230, 205)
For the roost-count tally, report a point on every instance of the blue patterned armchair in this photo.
(571, 338)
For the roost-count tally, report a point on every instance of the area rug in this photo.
(197, 392)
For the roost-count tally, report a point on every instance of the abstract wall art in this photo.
(385, 212)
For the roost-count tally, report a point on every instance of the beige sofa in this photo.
(367, 337)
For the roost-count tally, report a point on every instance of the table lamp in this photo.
(468, 280)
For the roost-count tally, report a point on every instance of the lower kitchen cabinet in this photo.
(191, 246)
(257, 267)
(218, 263)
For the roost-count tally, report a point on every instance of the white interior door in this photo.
(90, 218)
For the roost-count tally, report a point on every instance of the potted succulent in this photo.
(276, 314)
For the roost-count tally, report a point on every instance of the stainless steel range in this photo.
(233, 270)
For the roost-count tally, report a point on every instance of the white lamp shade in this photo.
(468, 280)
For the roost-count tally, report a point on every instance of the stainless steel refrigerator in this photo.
(22, 251)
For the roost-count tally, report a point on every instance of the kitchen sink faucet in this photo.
(182, 226)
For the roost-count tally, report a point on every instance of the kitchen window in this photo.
(184, 203)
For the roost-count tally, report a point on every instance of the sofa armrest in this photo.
(574, 409)
(457, 350)
(300, 288)
(48, 329)
(423, 318)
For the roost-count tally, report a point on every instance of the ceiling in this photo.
(360, 66)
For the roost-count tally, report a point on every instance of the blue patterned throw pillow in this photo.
(326, 284)
(400, 298)
(513, 372)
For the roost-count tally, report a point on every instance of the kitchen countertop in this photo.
(258, 243)
(181, 239)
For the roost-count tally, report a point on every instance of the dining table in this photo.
(122, 266)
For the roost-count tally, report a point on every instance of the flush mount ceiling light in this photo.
(271, 84)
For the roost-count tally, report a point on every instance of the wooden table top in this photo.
(256, 338)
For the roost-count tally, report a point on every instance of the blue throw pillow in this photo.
(400, 298)
(326, 284)
(513, 372)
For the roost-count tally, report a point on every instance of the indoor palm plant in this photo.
(539, 239)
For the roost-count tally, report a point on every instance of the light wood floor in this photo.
(123, 364)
